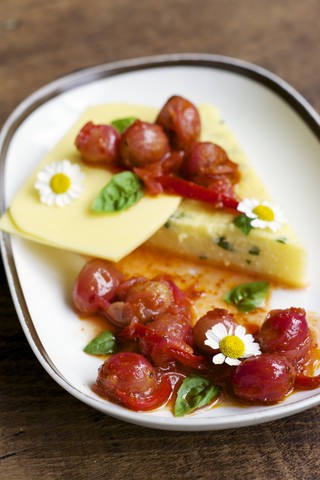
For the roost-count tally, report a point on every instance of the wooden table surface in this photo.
(45, 432)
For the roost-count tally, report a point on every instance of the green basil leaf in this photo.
(121, 124)
(243, 223)
(123, 191)
(247, 296)
(102, 344)
(194, 392)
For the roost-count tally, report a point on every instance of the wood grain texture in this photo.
(45, 433)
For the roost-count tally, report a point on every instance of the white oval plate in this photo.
(276, 127)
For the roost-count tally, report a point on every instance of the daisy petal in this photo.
(219, 330)
(240, 331)
(252, 351)
(248, 338)
(230, 331)
(218, 359)
(232, 361)
(211, 336)
(212, 343)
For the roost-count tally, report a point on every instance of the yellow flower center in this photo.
(232, 346)
(264, 213)
(60, 183)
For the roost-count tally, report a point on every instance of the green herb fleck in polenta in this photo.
(179, 215)
(254, 250)
(223, 243)
(282, 240)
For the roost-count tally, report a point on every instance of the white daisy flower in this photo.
(234, 344)
(59, 183)
(263, 214)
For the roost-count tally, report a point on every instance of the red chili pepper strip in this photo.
(191, 190)
(303, 381)
(187, 359)
(176, 352)
(138, 330)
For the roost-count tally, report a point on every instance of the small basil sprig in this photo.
(247, 296)
(102, 344)
(123, 191)
(122, 124)
(243, 223)
(194, 392)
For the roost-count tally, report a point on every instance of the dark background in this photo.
(46, 433)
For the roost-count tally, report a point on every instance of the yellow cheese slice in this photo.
(75, 227)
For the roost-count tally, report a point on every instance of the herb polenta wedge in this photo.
(215, 236)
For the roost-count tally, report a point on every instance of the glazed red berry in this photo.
(143, 144)
(286, 332)
(207, 163)
(129, 379)
(263, 379)
(98, 143)
(181, 121)
(95, 286)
